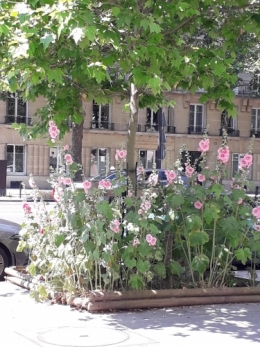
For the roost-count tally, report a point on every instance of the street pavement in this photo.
(25, 323)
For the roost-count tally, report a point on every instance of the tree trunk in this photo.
(76, 147)
(131, 135)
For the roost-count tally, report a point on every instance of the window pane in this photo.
(19, 158)
(199, 115)
(150, 159)
(93, 162)
(10, 158)
(21, 108)
(53, 163)
(148, 116)
(258, 120)
(95, 115)
(10, 104)
(142, 157)
(102, 160)
(192, 111)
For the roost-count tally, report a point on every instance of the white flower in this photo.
(171, 214)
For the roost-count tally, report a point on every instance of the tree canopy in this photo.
(69, 50)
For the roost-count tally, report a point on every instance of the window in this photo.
(56, 162)
(100, 117)
(98, 161)
(196, 119)
(151, 120)
(147, 158)
(235, 163)
(16, 109)
(228, 122)
(15, 159)
(255, 120)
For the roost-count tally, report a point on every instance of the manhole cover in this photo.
(83, 337)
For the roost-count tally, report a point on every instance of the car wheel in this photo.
(3, 263)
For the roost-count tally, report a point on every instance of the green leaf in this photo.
(155, 28)
(42, 291)
(176, 268)
(55, 75)
(143, 266)
(200, 263)
(217, 189)
(198, 237)
(230, 225)
(174, 200)
(160, 269)
(136, 282)
(32, 269)
(130, 262)
(90, 32)
(154, 83)
(144, 249)
(47, 38)
(115, 11)
(59, 239)
(243, 254)
(105, 209)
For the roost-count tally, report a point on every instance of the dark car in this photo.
(9, 238)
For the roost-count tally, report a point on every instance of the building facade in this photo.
(105, 130)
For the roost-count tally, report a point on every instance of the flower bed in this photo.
(179, 236)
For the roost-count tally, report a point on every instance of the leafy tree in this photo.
(84, 49)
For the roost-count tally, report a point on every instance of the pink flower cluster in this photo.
(104, 184)
(257, 227)
(27, 208)
(256, 212)
(121, 154)
(170, 175)
(151, 240)
(223, 154)
(204, 145)
(114, 226)
(153, 179)
(53, 131)
(140, 170)
(189, 171)
(136, 242)
(68, 159)
(201, 178)
(246, 161)
(198, 205)
(145, 206)
(86, 186)
(66, 147)
(67, 181)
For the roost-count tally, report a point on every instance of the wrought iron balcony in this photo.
(148, 127)
(170, 129)
(101, 125)
(256, 133)
(17, 119)
(230, 132)
(196, 129)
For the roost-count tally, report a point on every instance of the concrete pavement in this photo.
(25, 323)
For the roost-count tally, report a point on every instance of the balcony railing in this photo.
(255, 132)
(196, 129)
(149, 127)
(230, 132)
(248, 89)
(17, 119)
(170, 129)
(101, 125)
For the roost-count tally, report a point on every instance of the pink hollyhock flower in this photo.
(68, 159)
(27, 208)
(147, 205)
(256, 227)
(246, 161)
(101, 184)
(120, 154)
(223, 154)
(198, 205)
(140, 211)
(240, 200)
(153, 241)
(171, 175)
(204, 145)
(67, 181)
(51, 123)
(136, 242)
(154, 179)
(130, 194)
(107, 184)
(116, 157)
(41, 231)
(201, 178)
(140, 169)
(248, 158)
(115, 229)
(66, 147)
(116, 222)
(149, 238)
(114, 225)
(86, 186)
(256, 212)
(60, 180)
(189, 171)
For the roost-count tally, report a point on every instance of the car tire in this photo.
(3, 263)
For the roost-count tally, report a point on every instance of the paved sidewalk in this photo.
(25, 323)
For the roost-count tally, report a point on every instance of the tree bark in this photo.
(76, 148)
(131, 135)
